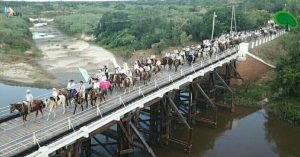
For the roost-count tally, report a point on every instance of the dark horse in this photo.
(165, 61)
(79, 100)
(94, 95)
(177, 62)
(36, 105)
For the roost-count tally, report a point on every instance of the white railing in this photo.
(69, 123)
(5, 111)
(100, 111)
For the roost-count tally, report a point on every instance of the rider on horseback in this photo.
(105, 69)
(55, 94)
(81, 89)
(71, 85)
(28, 99)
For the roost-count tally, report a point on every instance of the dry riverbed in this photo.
(19, 70)
(61, 58)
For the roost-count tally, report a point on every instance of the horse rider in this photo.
(148, 70)
(173, 55)
(28, 99)
(182, 53)
(55, 94)
(105, 69)
(167, 54)
(149, 62)
(123, 71)
(81, 89)
(96, 85)
(117, 70)
(71, 86)
(135, 65)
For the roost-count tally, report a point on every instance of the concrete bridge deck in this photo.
(43, 137)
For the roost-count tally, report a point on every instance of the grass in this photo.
(271, 51)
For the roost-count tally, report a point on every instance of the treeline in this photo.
(170, 25)
(286, 85)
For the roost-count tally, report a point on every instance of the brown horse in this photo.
(94, 95)
(156, 69)
(146, 77)
(116, 80)
(177, 62)
(128, 83)
(79, 100)
(222, 47)
(36, 105)
(167, 61)
(67, 94)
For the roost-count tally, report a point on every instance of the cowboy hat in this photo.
(28, 91)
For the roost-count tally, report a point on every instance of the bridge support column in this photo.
(179, 117)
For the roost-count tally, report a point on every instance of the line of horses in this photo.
(143, 70)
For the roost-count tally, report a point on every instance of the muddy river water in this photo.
(246, 133)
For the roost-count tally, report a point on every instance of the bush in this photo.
(15, 36)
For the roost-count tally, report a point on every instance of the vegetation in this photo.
(282, 86)
(126, 27)
(15, 36)
(287, 81)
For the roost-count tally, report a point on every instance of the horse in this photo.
(67, 95)
(36, 105)
(177, 62)
(167, 61)
(222, 46)
(146, 77)
(156, 69)
(52, 104)
(94, 95)
(128, 82)
(116, 80)
(79, 99)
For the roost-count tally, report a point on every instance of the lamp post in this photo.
(213, 26)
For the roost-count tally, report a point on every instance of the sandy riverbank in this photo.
(61, 58)
(63, 55)
(17, 70)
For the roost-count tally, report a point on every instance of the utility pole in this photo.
(233, 20)
(213, 26)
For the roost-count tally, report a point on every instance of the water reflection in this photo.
(246, 133)
(284, 137)
(10, 94)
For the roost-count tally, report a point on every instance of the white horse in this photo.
(52, 104)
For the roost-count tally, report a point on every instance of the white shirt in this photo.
(81, 88)
(182, 53)
(71, 85)
(54, 94)
(135, 66)
(96, 85)
(123, 71)
(29, 97)
(147, 68)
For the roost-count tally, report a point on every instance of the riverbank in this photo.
(24, 71)
(277, 90)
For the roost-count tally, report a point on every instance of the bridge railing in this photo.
(5, 111)
(99, 111)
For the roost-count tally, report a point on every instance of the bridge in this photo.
(67, 133)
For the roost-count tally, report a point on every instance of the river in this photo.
(246, 133)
